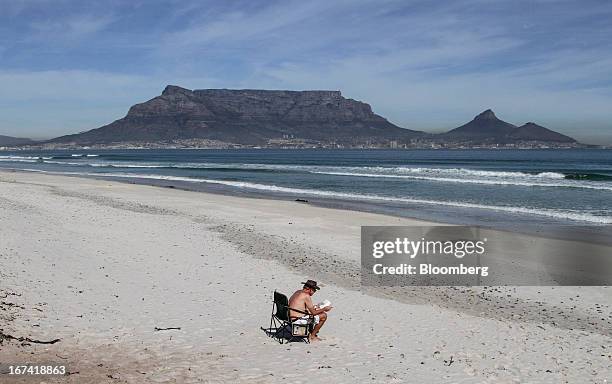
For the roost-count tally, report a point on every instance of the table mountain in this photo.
(245, 116)
(277, 118)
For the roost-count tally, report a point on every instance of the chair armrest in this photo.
(298, 311)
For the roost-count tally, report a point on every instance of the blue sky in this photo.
(68, 66)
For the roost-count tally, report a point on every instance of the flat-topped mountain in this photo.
(487, 128)
(223, 117)
(245, 116)
(9, 141)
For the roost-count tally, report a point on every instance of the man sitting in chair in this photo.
(301, 301)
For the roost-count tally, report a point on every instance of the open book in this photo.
(324, 303)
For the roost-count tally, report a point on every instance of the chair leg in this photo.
(271, 317)
(280, 336)
(278, 327)
(275, 327)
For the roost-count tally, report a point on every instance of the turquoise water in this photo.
(468, 186)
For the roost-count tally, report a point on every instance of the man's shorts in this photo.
(304, 320)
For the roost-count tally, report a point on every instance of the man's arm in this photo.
(312, 309)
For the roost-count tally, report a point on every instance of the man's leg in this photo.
(315, 331)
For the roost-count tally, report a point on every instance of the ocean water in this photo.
(485, 187)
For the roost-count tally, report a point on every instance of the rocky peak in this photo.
(486, 115)
(174, 90)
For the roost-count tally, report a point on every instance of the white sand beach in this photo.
(100, 264)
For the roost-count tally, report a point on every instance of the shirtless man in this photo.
(301, 301)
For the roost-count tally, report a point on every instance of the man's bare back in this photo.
(299, 301)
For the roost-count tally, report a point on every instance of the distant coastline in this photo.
(297, 145)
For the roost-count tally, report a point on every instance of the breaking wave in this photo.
(585, 180)
(557, 214)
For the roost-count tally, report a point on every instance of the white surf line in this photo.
(584, 217)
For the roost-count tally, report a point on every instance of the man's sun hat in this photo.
(311, 284)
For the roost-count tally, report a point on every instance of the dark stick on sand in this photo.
(22, 339)
(166, 329)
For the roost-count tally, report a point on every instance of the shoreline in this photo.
(111, 261)
(590, 233)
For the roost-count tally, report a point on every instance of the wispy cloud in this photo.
(74, 27)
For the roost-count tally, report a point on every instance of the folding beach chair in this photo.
(282, 327)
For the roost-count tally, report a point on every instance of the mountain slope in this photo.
(487, 128)
(9, 141)
(535, 132)
(245, 117)
(484, 126)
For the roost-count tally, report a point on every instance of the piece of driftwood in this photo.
(167, 329)
(26, 339)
